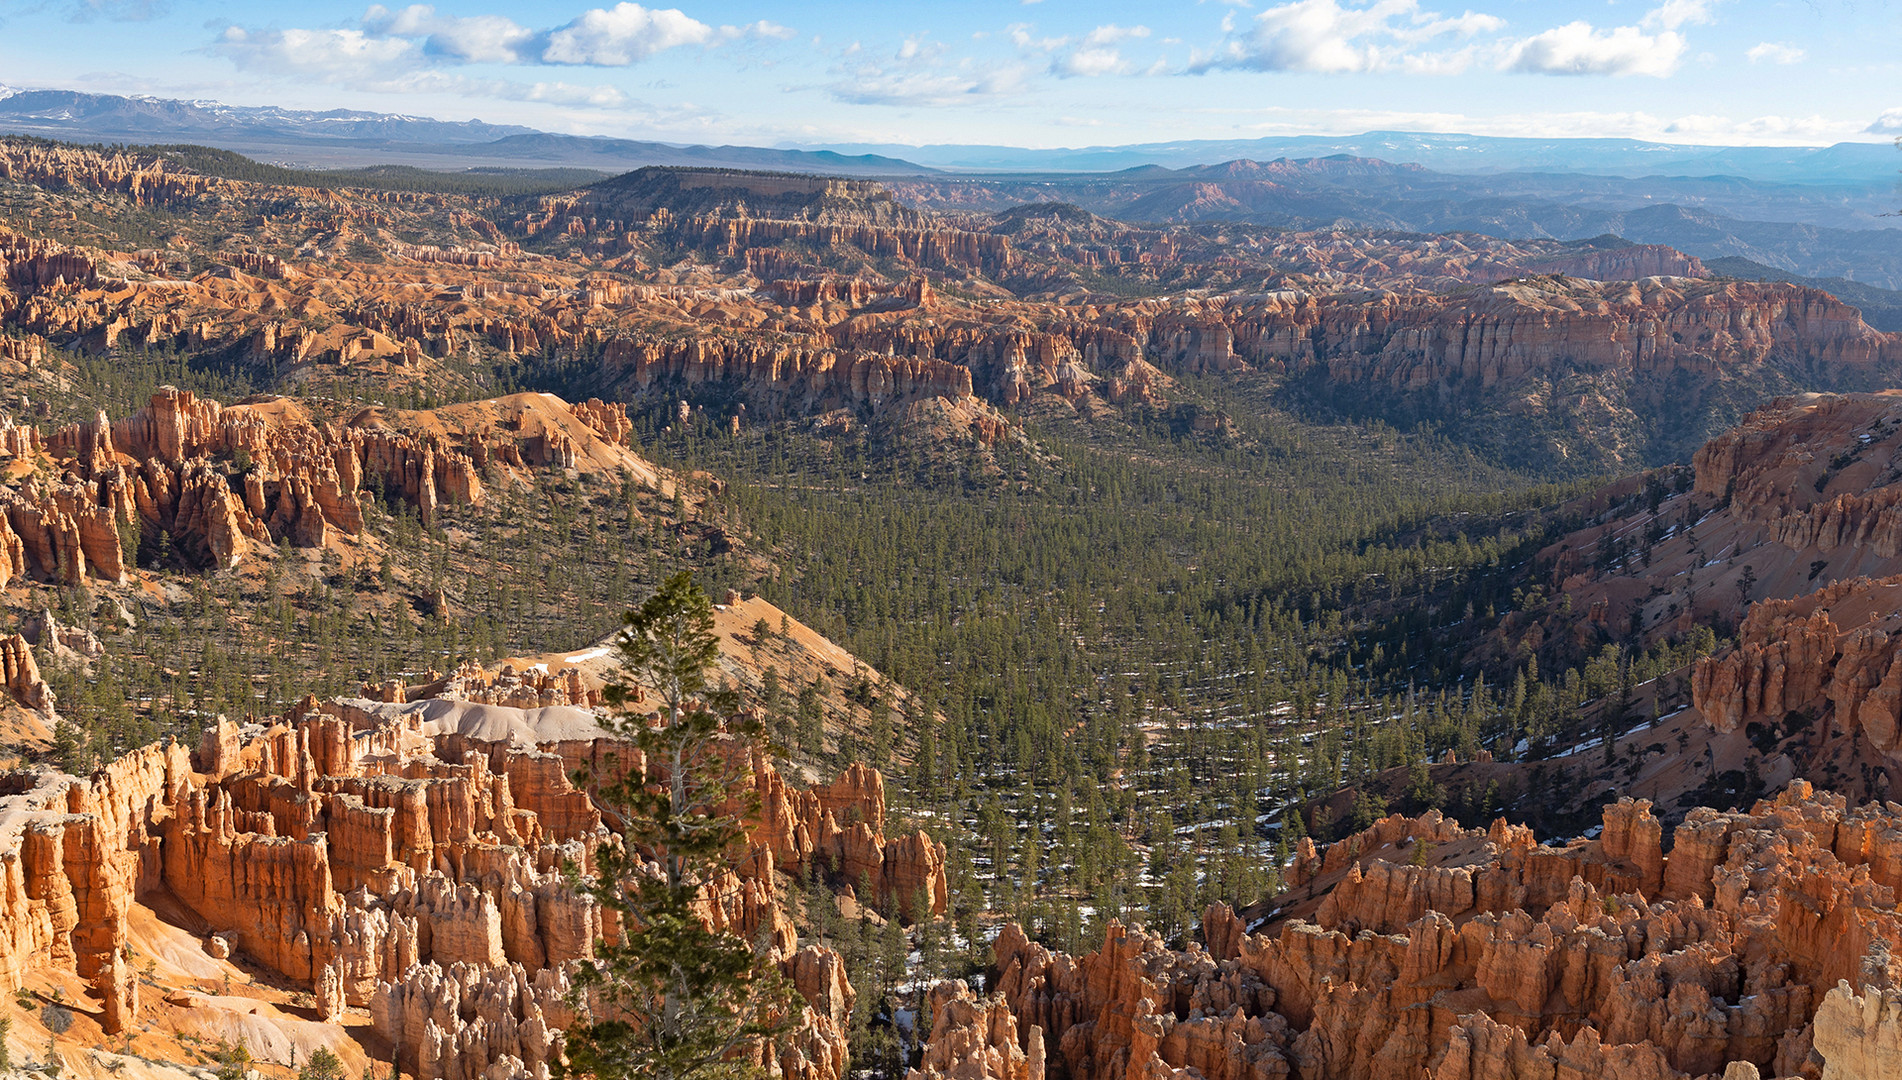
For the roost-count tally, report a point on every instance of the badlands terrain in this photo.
(1193, 647)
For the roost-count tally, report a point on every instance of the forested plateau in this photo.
(1171, 641)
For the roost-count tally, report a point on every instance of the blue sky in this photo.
(1038, 73)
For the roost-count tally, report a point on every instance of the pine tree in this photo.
(323, 1065)
(674, 999)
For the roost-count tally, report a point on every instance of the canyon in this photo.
(449, 424)
(802, 296)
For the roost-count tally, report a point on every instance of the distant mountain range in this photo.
(1807, 230)
(67, 113)
(1857, 163)
(342, 138)
(1816, 212)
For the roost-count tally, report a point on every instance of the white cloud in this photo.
(1577, 48)
(764, 28)
(918, 73)
(339, 52)
(1112, 33)
(1653, 47)
(477, 39)
(873, 86)
(1091, 61)
(1775, 52)
(1889, 123)
(1673, 14)
(1020, 36)
(389, 65)
(1096, 54)
(1324, 36)
(624, 34)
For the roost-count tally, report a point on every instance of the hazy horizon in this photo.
(1036, 74)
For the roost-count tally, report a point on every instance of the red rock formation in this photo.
(1595, 960)
(1800, 495)
(973, 1040)
(1614, 264)
(148, 180)
(221, 481)
(406, 857)
(1832, 653)
(22, 675)
(1859, 1035)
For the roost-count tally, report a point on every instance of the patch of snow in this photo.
(591, 654)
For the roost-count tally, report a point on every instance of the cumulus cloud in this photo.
(1338, 37)
(393, 65)
(418, 35)
(1578, 48)
(1092, 61)
(1775, 52)
(477, 38)
(1111, 34)
(623, 34)
(764, 28)
(1096, 53)
(1889, 123)
(1325, 36)
(1654, 47)
(331, 52)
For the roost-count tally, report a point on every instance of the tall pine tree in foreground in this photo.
(673, 999)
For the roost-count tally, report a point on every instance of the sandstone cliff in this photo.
(822, 295)
(1803, 493)
(219, 483)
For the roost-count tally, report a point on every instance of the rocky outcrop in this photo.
(213, 484)
(1835, 653)
(609, 420)
(802, 377)
(1630, 263)
(406, 858)
(22, 675)
(840, 828)
(146, 179)
(977, 1040)
(1859, 1035)
(1802, 495)
(530, 689)
(1498, 958)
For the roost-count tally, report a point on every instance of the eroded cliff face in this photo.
(1760, 945)
(1834, 655)
(819, 296)
(1803, 493)
(219, 482)
(404, 861)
